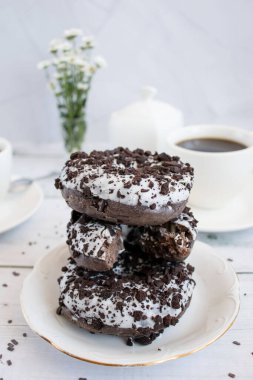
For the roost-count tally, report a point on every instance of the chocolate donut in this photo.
(93, 244)
(171, 241)
(138, 298)
(126, 187)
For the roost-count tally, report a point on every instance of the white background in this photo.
(198, 53)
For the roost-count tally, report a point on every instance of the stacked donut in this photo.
(129, 234)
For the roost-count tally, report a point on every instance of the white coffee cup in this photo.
(218, 177)
(5, 166)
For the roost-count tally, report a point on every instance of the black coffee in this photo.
(211, 145)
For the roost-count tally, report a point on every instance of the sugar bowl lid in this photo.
(140, 123)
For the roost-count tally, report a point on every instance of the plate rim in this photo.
(144, 364)
(29, 214)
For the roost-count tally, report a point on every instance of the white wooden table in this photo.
(33, 358)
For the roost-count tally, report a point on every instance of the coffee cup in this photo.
(219, 176)
(5, 166)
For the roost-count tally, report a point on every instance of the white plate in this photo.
(236, 216)
(214, 307)
(17, 208)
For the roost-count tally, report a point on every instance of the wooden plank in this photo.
(25, 244)
(35, 359)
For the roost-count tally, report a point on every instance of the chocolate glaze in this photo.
(171, 241)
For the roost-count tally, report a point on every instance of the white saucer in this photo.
(17, 208)
(236, 216)
(214, 307)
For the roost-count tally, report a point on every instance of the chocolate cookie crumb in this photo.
(236, 343)
(82, 378)
(24, 335)
(232, 375)
(9, 362)
(129, 342)
(14, 341)
(5, 285)
(231, 260)
(16, 274)
(10, 321)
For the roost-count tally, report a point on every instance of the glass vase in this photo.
(73, 132)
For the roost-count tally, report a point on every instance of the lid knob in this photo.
(148, 92)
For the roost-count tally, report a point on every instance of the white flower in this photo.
(62, 59)
(43, 65)
(72, 33)
(87, 42)
(54, 45)
(82, 86)
(78, 61)
(100, 61)
(89, 69)
(65, 47)
(61, 62)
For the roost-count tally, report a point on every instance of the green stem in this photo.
(73, 132)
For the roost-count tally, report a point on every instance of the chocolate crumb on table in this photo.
(14, 341)
(5, 285)
(82, 378)
(236, 343)
(231, 260)
(15, 274)
(129, 342)
(24, 335)
(10, 348)
(10, 321)
(9, 362)
(232, 375)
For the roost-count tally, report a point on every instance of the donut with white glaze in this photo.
(126, 187)
(138, 298)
